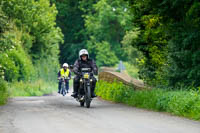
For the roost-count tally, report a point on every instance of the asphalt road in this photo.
(57, 114)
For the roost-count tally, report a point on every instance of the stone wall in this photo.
(111, 76)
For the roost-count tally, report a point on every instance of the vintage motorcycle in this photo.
(84, 91)
(63, 85)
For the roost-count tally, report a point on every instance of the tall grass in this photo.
(131, 70)
(34, 88)
(181, 103)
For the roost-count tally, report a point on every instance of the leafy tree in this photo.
(5, 44)
(32, 36)
(103, 52)
(133, 53)
(70, 20)
(38, 19)
(182, 19)
(108, 21)
(150, 38)
(169, 31)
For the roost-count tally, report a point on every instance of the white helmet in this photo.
(83, 52)
(65, 65)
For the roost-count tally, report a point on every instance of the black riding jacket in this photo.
(89, 63)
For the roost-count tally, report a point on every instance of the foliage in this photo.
(33, 29)
(29, 42)
(70, 20)
(92, 23)
(15, 62)
(181, 103)
(167, 36)
(182, 23)
(133, 54)
(9, 71)
(150, 39)
(107, 22)
(131, 70)
(5, 42)
(3, 91)
(36, 21)
(23, 63)
(103, 52)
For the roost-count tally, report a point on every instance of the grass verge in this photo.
(3, 92)
(36, 88)
(131, 70)
(181, 103)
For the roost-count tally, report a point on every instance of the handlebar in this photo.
(63, 78)
(85, 69)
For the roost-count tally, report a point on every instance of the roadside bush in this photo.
(181, 103)
(16, 66)
(11, 72)
(47, 69)
(23, 63)
(3, 92)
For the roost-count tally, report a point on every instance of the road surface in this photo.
(57, 114)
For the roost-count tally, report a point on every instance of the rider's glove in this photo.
(91, 74)
(95, 71)
(80, 74)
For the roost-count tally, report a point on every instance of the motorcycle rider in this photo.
(64, 72)
(84, 62)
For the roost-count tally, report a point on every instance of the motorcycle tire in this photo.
(82, 103)
(63, 92)
(88, 97)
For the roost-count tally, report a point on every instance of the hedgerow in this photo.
(181, 103)
(3, 91)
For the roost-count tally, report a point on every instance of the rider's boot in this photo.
(93, 88)
(59, 87)
(93, 94)
(75, 93)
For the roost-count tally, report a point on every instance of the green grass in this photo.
(181, 103)
(131, 70)
(37, 88)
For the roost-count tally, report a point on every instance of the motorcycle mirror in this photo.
(71, 66)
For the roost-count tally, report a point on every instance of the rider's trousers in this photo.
(66, 83)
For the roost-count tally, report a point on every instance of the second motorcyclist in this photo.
(64, 72)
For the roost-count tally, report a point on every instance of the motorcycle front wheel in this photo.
(88, 97)
(63, 92)
(82, 103)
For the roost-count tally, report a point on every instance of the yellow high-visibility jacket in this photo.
(64, 73)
